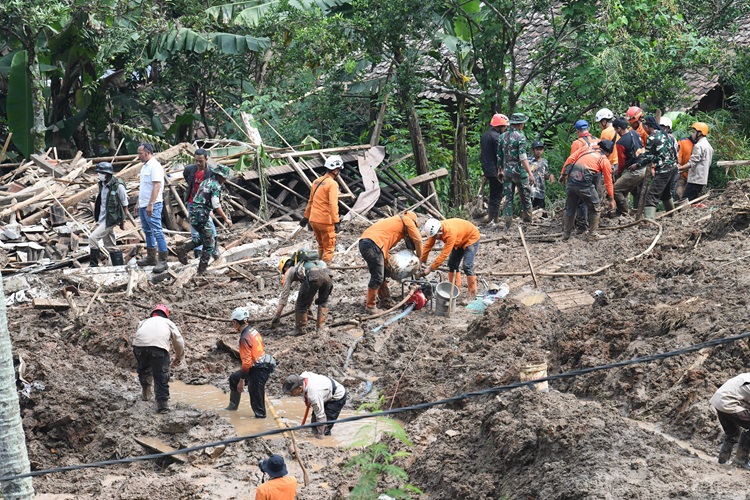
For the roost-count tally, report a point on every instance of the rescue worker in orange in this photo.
(281, 485)
(375, 245)
(634, 115)
(585, 141)
(604, 118)
(322, 210)
(460, 243)
(257, 366)
(581, 169)
(684, 152)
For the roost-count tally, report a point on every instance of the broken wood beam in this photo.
(342, 149)
(428, 177)
(46, 166)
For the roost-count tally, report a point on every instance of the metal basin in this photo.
(402, 265)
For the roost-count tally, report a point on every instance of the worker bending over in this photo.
(732, 404)
(460, 244)
(324, 395)
(314, 278)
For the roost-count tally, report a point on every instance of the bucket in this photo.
(532, 372)
(443, 298)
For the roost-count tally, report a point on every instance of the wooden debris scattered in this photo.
(159, 446)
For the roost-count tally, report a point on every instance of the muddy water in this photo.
(291, 410)
(652, 427)
(530, 296)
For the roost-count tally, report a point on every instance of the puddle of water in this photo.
(652, 427)
(530, 296)
(208, 397)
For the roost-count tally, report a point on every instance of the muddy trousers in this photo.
(332, 410)
(734, 423)
(256, 386)
(577, 194)
(153, 363)
(325, 235)
(514, 181)
(692, 191)
(373, 256)
(661, 188)
(627, 182)
(465, 255)
(200, 218)
(317, 281)
(496, 196)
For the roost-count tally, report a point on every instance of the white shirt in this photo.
(151, 172)
(159, 332)
(700, 161)
(317, 390)
(734, 395)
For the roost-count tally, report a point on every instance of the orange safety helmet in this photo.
(633, 114)
(700, 127)
(499, 120)
(161, 307)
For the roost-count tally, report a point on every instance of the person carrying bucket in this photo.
(460, 243)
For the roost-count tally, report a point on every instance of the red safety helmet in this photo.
(499, 120)
(633, 114)
(161, 307)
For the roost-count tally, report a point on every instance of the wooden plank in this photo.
(342, 149)
(159, 446)
(47, 166)
(50, 304)
(429, 176)
(570, 299)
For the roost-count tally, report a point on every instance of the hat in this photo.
(537, 144)
(223, 171)
(650, 121)
(104, 167)
(291, 383)
(607, 146)
(274, 466)
(518, 118)
(582, 125)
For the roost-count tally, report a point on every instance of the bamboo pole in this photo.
(528, 257)
(5, 146)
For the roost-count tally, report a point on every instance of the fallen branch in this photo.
(411, 292)
(528, 257)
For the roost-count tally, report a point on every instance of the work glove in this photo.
(122, 225)
(303, 222)
(337, 227)
(275, 321)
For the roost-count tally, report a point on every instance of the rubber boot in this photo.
(234, 400)
(371, 303)
(471, 283)
(300, 323)
(146, 393)
(567, 227)
(458, 279)
(161, 265)
(649, 213)
(496, 220)
(726, 449)
(508, 222)
(162, 406)
(669, 206)
(94, 256)
(150, 259)
(526, 216)
(740, 458)
(182, 251)
(384, 295)
(593, 233)
(622, 205)
(203, 264)
(321, 320)
(116, 258)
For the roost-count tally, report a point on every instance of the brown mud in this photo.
(640, 431)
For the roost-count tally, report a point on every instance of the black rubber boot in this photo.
(116, 258)
(161, 265)
(300, 323)
(203, 264)
(567, 227)
(234, 400)
(740, 458)
(669, 206)
(162, 406)
(150, 259)
(146, 393)
(726, 449)
(182, 251)
(94, 257)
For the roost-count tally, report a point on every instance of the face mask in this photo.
(102, 177)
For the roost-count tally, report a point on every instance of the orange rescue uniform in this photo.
(683, 156)
(323, 212)
(641, 130)
(595, 161)
(280, 488)
(610, 135)
(457, 233)
(388, 232)
(251, 349)
(584, 141)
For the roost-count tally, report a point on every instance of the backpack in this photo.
(304, 256)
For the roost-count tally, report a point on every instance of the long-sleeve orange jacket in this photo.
(457, 233)
(388, 232)
(251, 348)
(323, 205)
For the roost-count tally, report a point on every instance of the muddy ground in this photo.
(641, 431)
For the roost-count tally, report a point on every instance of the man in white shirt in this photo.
(150, 204)
(699, 163)
(151, 350)
(324, 395)
(732, 404)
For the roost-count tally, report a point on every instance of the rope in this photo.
(394, 411)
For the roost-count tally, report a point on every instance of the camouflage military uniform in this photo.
(661, 151)
(200, 216)
(511, 151)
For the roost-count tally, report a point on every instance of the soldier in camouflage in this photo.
(511, 154)
(661, 151)
(205, 200)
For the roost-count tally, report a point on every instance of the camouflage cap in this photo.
(223, 171)
(517, 118)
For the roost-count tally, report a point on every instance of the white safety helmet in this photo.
(667, 122)
(431, 227)
(604, 114)
(241, 314)
(334, 162)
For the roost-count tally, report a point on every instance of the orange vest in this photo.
(388, 232)
(683, 155)
(251, 348)
(457, 233)
(280, 488)
(610, 134)
(584, 142)
(323, 205)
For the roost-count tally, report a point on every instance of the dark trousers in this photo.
(463, 254)
(256, 387)
(373, 256)
(538, 203)
(496, 196)
(153, 362)
(660, 187)
(692, 191)
(319, 282)
(332, 410)
(733, 423)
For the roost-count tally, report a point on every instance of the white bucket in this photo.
(533, 372)
(443, 295)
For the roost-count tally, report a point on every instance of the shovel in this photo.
(294, 233)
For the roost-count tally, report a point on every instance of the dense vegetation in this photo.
(81, 75)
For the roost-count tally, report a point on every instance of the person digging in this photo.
(315, 279)
(460, 244)
(324, 395)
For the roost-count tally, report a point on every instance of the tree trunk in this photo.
(13, 456)
(459, 190)
(37, 102)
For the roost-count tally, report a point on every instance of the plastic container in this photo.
(499, 294)
(443, 295)
(532, 372)
(477, 306)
